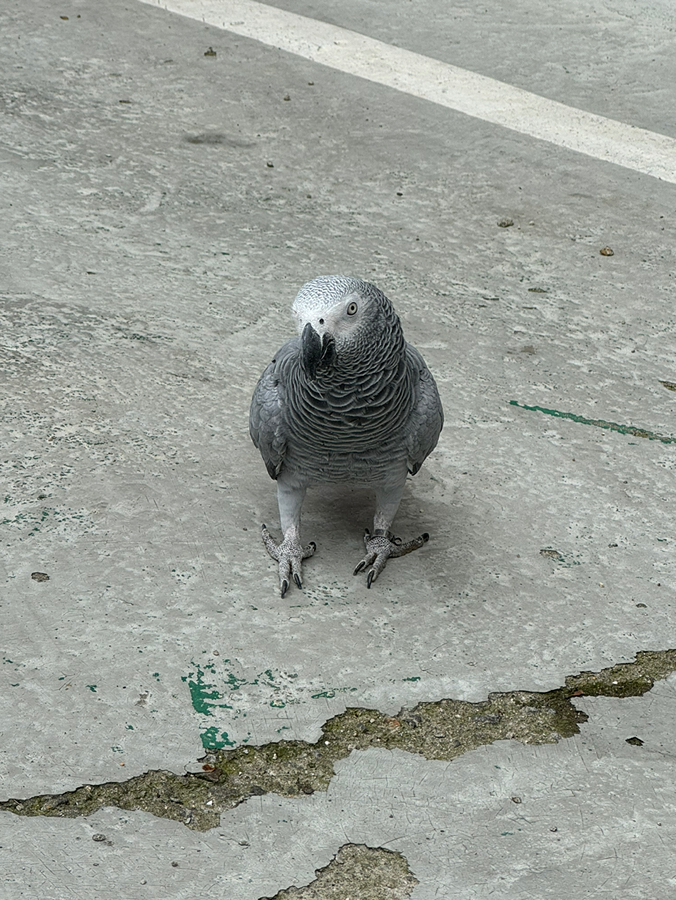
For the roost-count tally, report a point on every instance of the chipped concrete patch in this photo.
(359, 873)
(444, 729)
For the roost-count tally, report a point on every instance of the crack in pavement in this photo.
(442, 729)
(357, 871)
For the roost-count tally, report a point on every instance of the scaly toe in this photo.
(382, 546)
(290, 555)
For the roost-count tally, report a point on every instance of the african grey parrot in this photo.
(348, 401)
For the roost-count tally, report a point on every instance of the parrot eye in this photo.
(352, 308)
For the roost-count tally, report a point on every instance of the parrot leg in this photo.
(382, 544)
(290, 553)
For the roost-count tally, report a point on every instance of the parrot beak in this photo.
(317, 351)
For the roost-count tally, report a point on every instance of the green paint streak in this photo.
(599, 423)
(92, 688)
(412, 678)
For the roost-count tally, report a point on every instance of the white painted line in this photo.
(459, 89)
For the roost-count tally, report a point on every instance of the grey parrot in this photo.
(348, 401)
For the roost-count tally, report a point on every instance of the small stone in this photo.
(175, 865)
(287, 96)
(505, 223)
(516, 799)
(210, 52)
(606, 251)
(98, 837)
(552, 554)
(270, 165)
(635, 741)
(39, 576)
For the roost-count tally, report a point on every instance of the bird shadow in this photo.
(338, 512)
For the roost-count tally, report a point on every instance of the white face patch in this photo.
(340, 318)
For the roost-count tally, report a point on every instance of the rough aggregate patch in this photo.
(443, 729)
(360, 873)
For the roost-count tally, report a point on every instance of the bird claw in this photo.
(289, 554)
(382, 546)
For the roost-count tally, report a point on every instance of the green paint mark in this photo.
(212, 741)
(235, 683)
(278, 704)
(329, 693)
(202, 694)
(599, 423)
(117, 749)
(156, 675)
(412, 678)
(92, 688)
(129, 727)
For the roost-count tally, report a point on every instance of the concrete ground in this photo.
(161, 205)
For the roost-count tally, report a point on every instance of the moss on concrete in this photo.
(443, 729)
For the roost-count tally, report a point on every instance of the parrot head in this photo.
(338, 318)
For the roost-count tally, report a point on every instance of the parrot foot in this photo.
(381, 546)
(289, 554)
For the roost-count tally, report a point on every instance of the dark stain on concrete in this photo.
(217, 138)
(443, 729)
(358, 872)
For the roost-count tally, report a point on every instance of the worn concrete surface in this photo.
(149, 257)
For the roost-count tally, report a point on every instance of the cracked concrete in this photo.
(160, 208)
(442, 730)
(358, 871)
